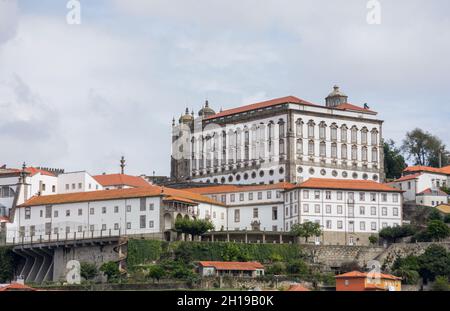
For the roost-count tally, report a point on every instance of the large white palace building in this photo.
(281, 140)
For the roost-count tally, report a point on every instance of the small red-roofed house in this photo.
(231, 268)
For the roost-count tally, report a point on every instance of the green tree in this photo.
(433, 262)
(392, 234)
(306, 230)
(423, 148)
(194, 227)
(111, 270)
(232, 252)
(447, 218)
(350, 266)
(276, 269)
(88, 270)
(435, 215)
(440, 284)
(373, 239)
(394, 162)
(156, 272)
(297, 267)
(437, 230)
(408, 276)
(6, 264)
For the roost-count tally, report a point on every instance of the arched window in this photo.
(364, 154)
(282, 146)
(281, 127)
(224, 148)
(374, 135)
(299, 128)
(311, 147)
(333, 132)
(354, 153)
(374, 155)
(344, 151)
(311, 129)
(322, 131)
(323, 149)
(344, 133)
(334, 150)
(299, 147)
(364, 135)
(354, 135)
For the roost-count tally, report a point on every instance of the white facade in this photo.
(77, 182)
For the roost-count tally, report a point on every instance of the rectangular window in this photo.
(255, 213)
(55, 214)
(373, 226)
(80, 212)
(80, 229)
(250, 196)
(241, 197)
(395, 211)
(232, 197)
(339, 195)
(151, 206)
(274, 213)
(91, 211)
(103, 227)
(67, 229)
(143, 203)
(373, 211)
(151, 224)
(269, 195)
(383, 197)
(339, 224)
(104, 210)
(222, 216)
(317, 208)
(128, 225)
(27, 212)
(384, 211)
(116, 226)
(306, 208)
(305, 194)
(328, 224)
(80, 185)
(67, 187)
(384, 225)
(274, 228)
(259, 195)
(278, 194)
(316, 194)
(128, 208)
(142, 221)
(237, 215)
(362, 226)
(48, 211)
(53, 188)
(48, 228)
(116, 209)
(91, 227)
(362, 210)
(339, 209)
(362, 196)
(328, 195)
(32, 230)
(328, 209)
(223, 198)
(68, 213)
(41, 213)
(395, 198)
(373, 197)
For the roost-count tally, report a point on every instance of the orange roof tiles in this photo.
(358, 274)
(120, 179)
(104, 195)
(16, 287)
(408, 177)
(260, 105)
(232, 265)
(419, 168)
(344, 184)
(179, 199)
(30, 170)
(238, 188)
(428, 191)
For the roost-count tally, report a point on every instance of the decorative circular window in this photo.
(245, 176)
(355, 175)
(323, 172)
(281, 170)
(344, 174)
(238, 177)
(375, 177)
(271, 172)
(311, 171)
(230, 178)
(334, 173)
(365, 176)
(300, 169)
(222, 180)
(261, 173)
(253, 175)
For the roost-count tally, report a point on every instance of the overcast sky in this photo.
(79, 96)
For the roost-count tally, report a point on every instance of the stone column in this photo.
(291, 175)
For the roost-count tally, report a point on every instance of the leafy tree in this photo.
(306, 230)
(409, 262)
(433, 262)
(232, 252)
(111, 270)
(408, 276)
(391, 234)
(435, 215)
(194, 227)
(437, 230)
(274, 257)
(88, 270)
(276, 268)
(423, 148)
(297, 267)
(373, 239)
(6, 264)
(156, 272)
(441, 284)
(447, 218)
(394, 162)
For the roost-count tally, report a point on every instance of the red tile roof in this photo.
(351, 107)
(15, 287)
(232, 265)
(345, 184)
(419, 168)
(30, 170)
(408, 177)
(260, 105)
(433, 192)
(239, 188)
(357, 274)
(4, 219)
(104, 195)
(120, 180)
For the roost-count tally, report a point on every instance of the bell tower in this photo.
(336, 98)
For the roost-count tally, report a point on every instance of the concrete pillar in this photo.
(281, 238)
(228, 237)
(246, 238)
(37, 263)
(212, 237)
(264, 237)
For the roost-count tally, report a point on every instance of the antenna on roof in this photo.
(122, 165)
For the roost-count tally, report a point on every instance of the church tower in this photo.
(336, 98)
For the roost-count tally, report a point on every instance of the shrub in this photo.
(276, 268)
(111, 270)
(156, 272)
(88, 270)
(297, 267)
(373, 239)
(437, 230)
(441, 284)
(435, 215)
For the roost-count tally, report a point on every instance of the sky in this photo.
(79, 96)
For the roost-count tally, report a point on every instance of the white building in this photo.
(77, 182)
(281, 140)
(250, 207)
(145, 211)
(348, 211)
(421, 185)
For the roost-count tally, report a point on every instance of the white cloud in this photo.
(8, 19)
